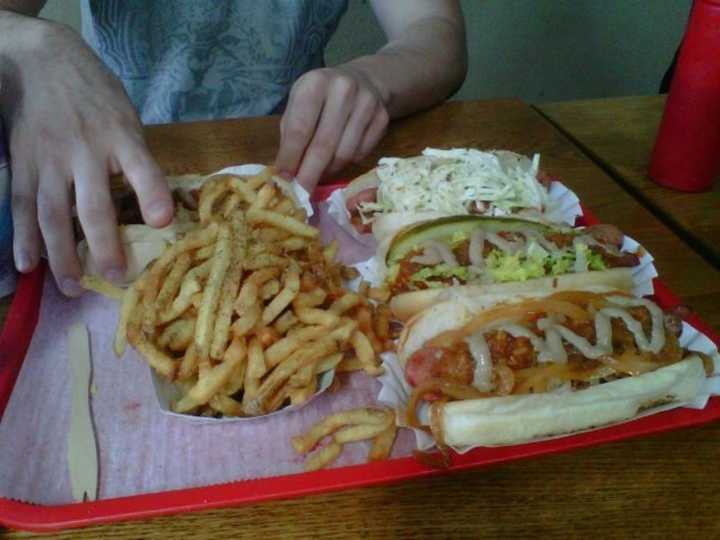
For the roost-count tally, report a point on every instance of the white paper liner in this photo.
(395, 391)
(563, 207)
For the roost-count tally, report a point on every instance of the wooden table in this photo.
(660, 486)
(619, 134)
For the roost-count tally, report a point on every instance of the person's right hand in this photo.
(70, 125)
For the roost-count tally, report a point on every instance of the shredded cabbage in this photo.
(452, 181)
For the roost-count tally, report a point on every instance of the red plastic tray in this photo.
(14, 342)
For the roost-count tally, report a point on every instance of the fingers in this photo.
(97, 216)
(147, 180)
(362, 115)
(333, 119)
(55, 221)
(300, 120)
(373, 134)
(26, 234)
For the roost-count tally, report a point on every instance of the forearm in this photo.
(421, 67)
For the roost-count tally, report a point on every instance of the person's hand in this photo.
(70, 125)
(334, 116)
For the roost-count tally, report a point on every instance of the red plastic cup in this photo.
(686, 156)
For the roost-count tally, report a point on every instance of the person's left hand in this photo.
(334, 116)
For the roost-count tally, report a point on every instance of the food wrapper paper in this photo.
(141, 448)
(563, 207)
(395, 391)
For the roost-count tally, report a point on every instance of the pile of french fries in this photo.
(247, 307)
(345, 427)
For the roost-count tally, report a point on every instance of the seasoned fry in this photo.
(323, 457)
(129, 303)
(309, 299)
(264, 195)
(298, 396)
(189, 363)
(178, 335)
(348, 364)
(226, 405)
(293, 244)
(245, 188)
(208, 385)
(227, 298)
(231, 204)
(343, 332)
(264, 260)
(236, 354)
(286, 223)
(285, 322)
(344, 303)
(284, 207)
(285, 296)
(157, 359)
(101, 286)
(303, 376)
(359, 433)
(383, 443)
(256, 359)
(270, 289)
(265, 274)
(212, 191)
(211, 294)
(305, 442)
(173, 281)
(317, 316)
(366, 354)
(382, 322)
(329, 362)
(284, 347)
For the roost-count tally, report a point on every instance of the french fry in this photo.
(268, 235)
(212, 191)
(258, 277)
(270, 289)
(298, 396)
(383, 443)
(280, 397)
(379, 294)
(284, 347)
(221, 332)
(211, 294)
(173, 281)
(247, 321)
(101, 286)
(256, 359)
(226, 405)
(316, 316)
(236, 353)
(344, 303)
(359, 432)
(343, 332)
(264, 195)
(309, 299)
(363, 288)
(292, 225)
(208, 385)
(291, 287)
(204, 253)
(323, 457)
(157, 359)
(285, 322)
(366, 354)
(303, 376)
(305, 442)
(189, 363)
(293, 244)
(284, 370)
(330, 251)
(284, 207)
(129, 303)
(231, 204)
(266, 259)
(178, 335)
(329, 362)
(382, 322)
(245, 188)
(349, 364)
(192, 240)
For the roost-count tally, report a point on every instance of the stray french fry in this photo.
(305, 442)
(323, 457)
(101, 286)
(359, 433)
(383, 443)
